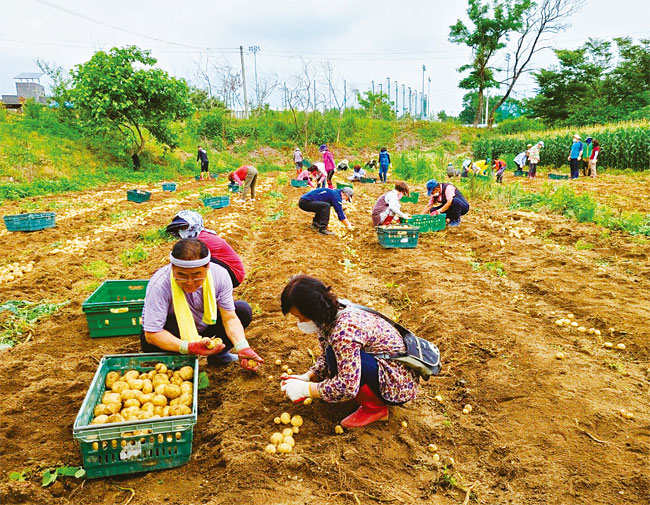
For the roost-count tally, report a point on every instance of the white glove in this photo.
(296, 390)
(304, 377)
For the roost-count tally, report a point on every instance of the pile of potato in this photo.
(136, 396)
(14, 271)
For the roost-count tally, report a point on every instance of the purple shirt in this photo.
(158, 299)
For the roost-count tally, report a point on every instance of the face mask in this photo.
(308, 327)
(184, 233)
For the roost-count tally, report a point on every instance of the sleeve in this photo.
(594, 154)
(223, 288)
(198, 155)
(236, 177)
(347, 378)
(388, 155)
(320, 368)
(157, 301)
(337, 203)
(393, 204)
(450, 193)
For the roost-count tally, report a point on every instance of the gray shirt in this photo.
(158, 299)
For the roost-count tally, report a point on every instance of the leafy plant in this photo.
(50, 475)
(276, 216)
(19, 317)
(20, 476)
(276, 194)
(97, 268)
(496, 266)
(156, 236)
(130, 257)
(204, 381)
(581, 245)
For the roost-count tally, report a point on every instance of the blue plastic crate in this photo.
(299, 183)
(169, 186)
(234, 188)
(558, 176)
(217, 202)
(138, 195)
(30, 222)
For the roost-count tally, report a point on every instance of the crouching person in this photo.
(188, 302)
(347, 368)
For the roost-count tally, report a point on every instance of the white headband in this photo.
(189, 263)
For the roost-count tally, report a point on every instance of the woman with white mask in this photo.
(347, 368)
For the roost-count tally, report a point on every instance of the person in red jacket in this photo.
(245, 176)
(189, 224)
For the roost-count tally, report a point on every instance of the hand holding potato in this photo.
(204, 347)
(247, 357)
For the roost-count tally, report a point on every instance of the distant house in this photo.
(28, 86)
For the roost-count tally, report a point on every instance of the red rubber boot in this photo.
(372, 409)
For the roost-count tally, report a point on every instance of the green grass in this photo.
(581, 245)
(98, 269)
(130, 257)
(19, 317)
(155, 236)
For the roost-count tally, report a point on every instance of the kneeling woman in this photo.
(189, 301)
(347, 369)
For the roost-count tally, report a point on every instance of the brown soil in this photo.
(542, 430)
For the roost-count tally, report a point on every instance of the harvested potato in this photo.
(147, 407)
(147, 386)
(179, 410)
(289, 440)
(136, 384)
(338, 429)
(161, 368)
(119, 386)
(99, 409)
(186, 372)
(158, 410)
(131, 375)
(468, 407)
(144, 398)
(438, 398)
(285, 418)
(609, 345)
(113, 408)
(160, 389)
(559, 355)
(100, 419)
(170, 374)
(289, 371)
(143, 376)
(133, 402)
(307, 401)
(597, 333)
(284, 448)
(296, 421)
(172, 391)
(173, 402)
(111, 378)
(465, 411)
(187, 387)
(115, 418)
(278, 362)
(127, 394)
(177, 380)
(287, 432)
(144, 414)
(276, 438)
(185, 399)
(277, 420)
(405, 424)
(159, 400)
(620, 347)
(166, 411)
(159, 379)
(436, 457)
(270, 449)
(130, 412)
(295, 429)
(432, 448)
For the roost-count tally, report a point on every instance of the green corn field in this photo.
(623, 146)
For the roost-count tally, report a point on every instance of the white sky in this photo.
(364, 40)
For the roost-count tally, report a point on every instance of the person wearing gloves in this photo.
(347, 368)
(446, 199)
(306, 175)
(499, 167)
(297, 159)
(533, 159)
(521, 159)
(189, 224)
(245, 176)
(467, 163)
(482, 167)
(188, 302)
(328, 161)
(384, 163)
(319, 173)
(320, 200)
(387, 205)
(357, 173)
(574, 156)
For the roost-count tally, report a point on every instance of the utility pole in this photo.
(410, 101)
(243, 80)
(507, 67)
(314, 94)
(422, 106)
(396, 98)
(345, 94)
(429, 99)
(380, 91)
(254, 49)
(373, 87)
(403, 99)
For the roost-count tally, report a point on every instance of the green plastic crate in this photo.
(299, 183)
(368, 180)
(558, 176)
(217, 202)
(306, 163)
(428, 223)
(115, 308)
(341, 185)
(134, 446)
(138, 195)
(30, 222)
(234, 188)
(400, 236)
(412, 198)
(521, 173)
(169, 186)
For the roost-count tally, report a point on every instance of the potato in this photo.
(101, 419)
(110, 397)
(405, 424)
(173, 402)
(158, 410)
(436, 457)
(130, 412)
(170, 374)
(338, 429)
(289, 440)
(166, 411)
(276, 438)
(307, 401)
(172, 391)
(284, 448)
(152, 374)
(136, 384)
(113, 408)
(119, 386)
(160, 389)
(127, 394)
(131, 374)
(432, 448)
(112, 377)
(295, 430)
(148, 407)
(278, 362)
(99, 410)
(177, 380)
(159, 379)
(161, 368)
(270, 449)
(287, 432)
(285, 418)
(179, 410)
(277, 420)
(147, 386)
(115, 418)
(185, 399)
(145, 414)
(143, 376)
(133, 402)
(144, 398)
(159, 400)
(186, 372)
(187, 387)
(296, 421)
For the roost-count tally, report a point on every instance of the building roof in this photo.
(10, 99)
(30, 75)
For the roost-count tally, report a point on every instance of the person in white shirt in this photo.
(387, 205)
(357, 173)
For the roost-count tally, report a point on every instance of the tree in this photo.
(492, 25)
(539, 20)
(377, 105)
(509, 109)
(110, 93)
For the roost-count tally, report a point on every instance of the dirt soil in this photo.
(542, 430)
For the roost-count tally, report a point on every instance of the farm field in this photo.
(542, 430)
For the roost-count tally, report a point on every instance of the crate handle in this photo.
(134, 288)
(120, 310)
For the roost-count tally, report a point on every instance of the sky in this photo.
(363, 41)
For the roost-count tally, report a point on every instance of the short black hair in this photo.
(312, 298)
(190, 249)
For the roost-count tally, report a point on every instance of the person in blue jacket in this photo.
(384, 162)
(319, 201)
(575, 156)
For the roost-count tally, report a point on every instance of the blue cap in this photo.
(431, 185)
(323, 147)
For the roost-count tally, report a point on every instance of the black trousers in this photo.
(321, 212)
(242, 309)
(204, 166)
